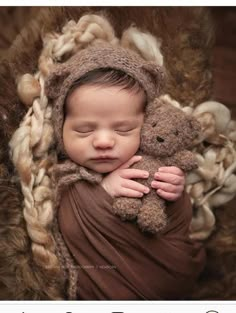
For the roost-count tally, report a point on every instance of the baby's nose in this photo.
(103, 141)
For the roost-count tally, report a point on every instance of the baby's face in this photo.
(102, 126)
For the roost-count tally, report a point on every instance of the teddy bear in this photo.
(166, 136)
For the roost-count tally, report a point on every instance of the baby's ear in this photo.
(54, 82)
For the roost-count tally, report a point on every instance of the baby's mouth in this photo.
(103, 158)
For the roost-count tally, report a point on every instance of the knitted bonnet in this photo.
(102, 55)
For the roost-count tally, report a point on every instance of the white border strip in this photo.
(118, 306)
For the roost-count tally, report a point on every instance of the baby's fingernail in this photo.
(155, 184)
(146, 174)
(146, 190)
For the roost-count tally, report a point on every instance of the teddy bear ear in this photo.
(155, 105)
(54, 82)
(195, 127)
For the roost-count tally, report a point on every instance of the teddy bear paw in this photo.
(151, 221)
(127, 209)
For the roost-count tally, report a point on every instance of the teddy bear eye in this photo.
(154, 124)
(176, 132)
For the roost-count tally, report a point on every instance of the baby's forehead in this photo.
(93, 92)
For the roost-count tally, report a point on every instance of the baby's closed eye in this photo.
(124, 129)
(84, 130)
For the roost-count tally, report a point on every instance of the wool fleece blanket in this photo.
(116, 261)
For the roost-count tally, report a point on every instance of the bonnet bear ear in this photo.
(54, 82)
(143, 43)
(157, 75)
(149, 48)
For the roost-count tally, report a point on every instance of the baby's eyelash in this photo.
(123, 130)
(84, 131)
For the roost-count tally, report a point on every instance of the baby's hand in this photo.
(169, 182)
(119, 183)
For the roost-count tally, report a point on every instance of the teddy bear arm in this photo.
(152, 216)
(127, 208)
(183, 159)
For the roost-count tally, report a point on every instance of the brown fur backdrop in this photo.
(12, 20)
(187, 41)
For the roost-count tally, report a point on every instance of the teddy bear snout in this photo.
(159, 139)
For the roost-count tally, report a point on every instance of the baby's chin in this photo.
(104, 168)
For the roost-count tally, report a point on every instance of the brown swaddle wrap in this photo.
(118, 262)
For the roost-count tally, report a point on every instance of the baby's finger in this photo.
(131, 173)
(167, 195)
(172, 170)
(131, 161)
(170, 178)
(130, 193)
(131, 184)
(167, 187)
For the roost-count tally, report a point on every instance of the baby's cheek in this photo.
(134, 143)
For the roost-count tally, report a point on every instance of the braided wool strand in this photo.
(35, 183)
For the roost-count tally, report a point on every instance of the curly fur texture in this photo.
(217, 281)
